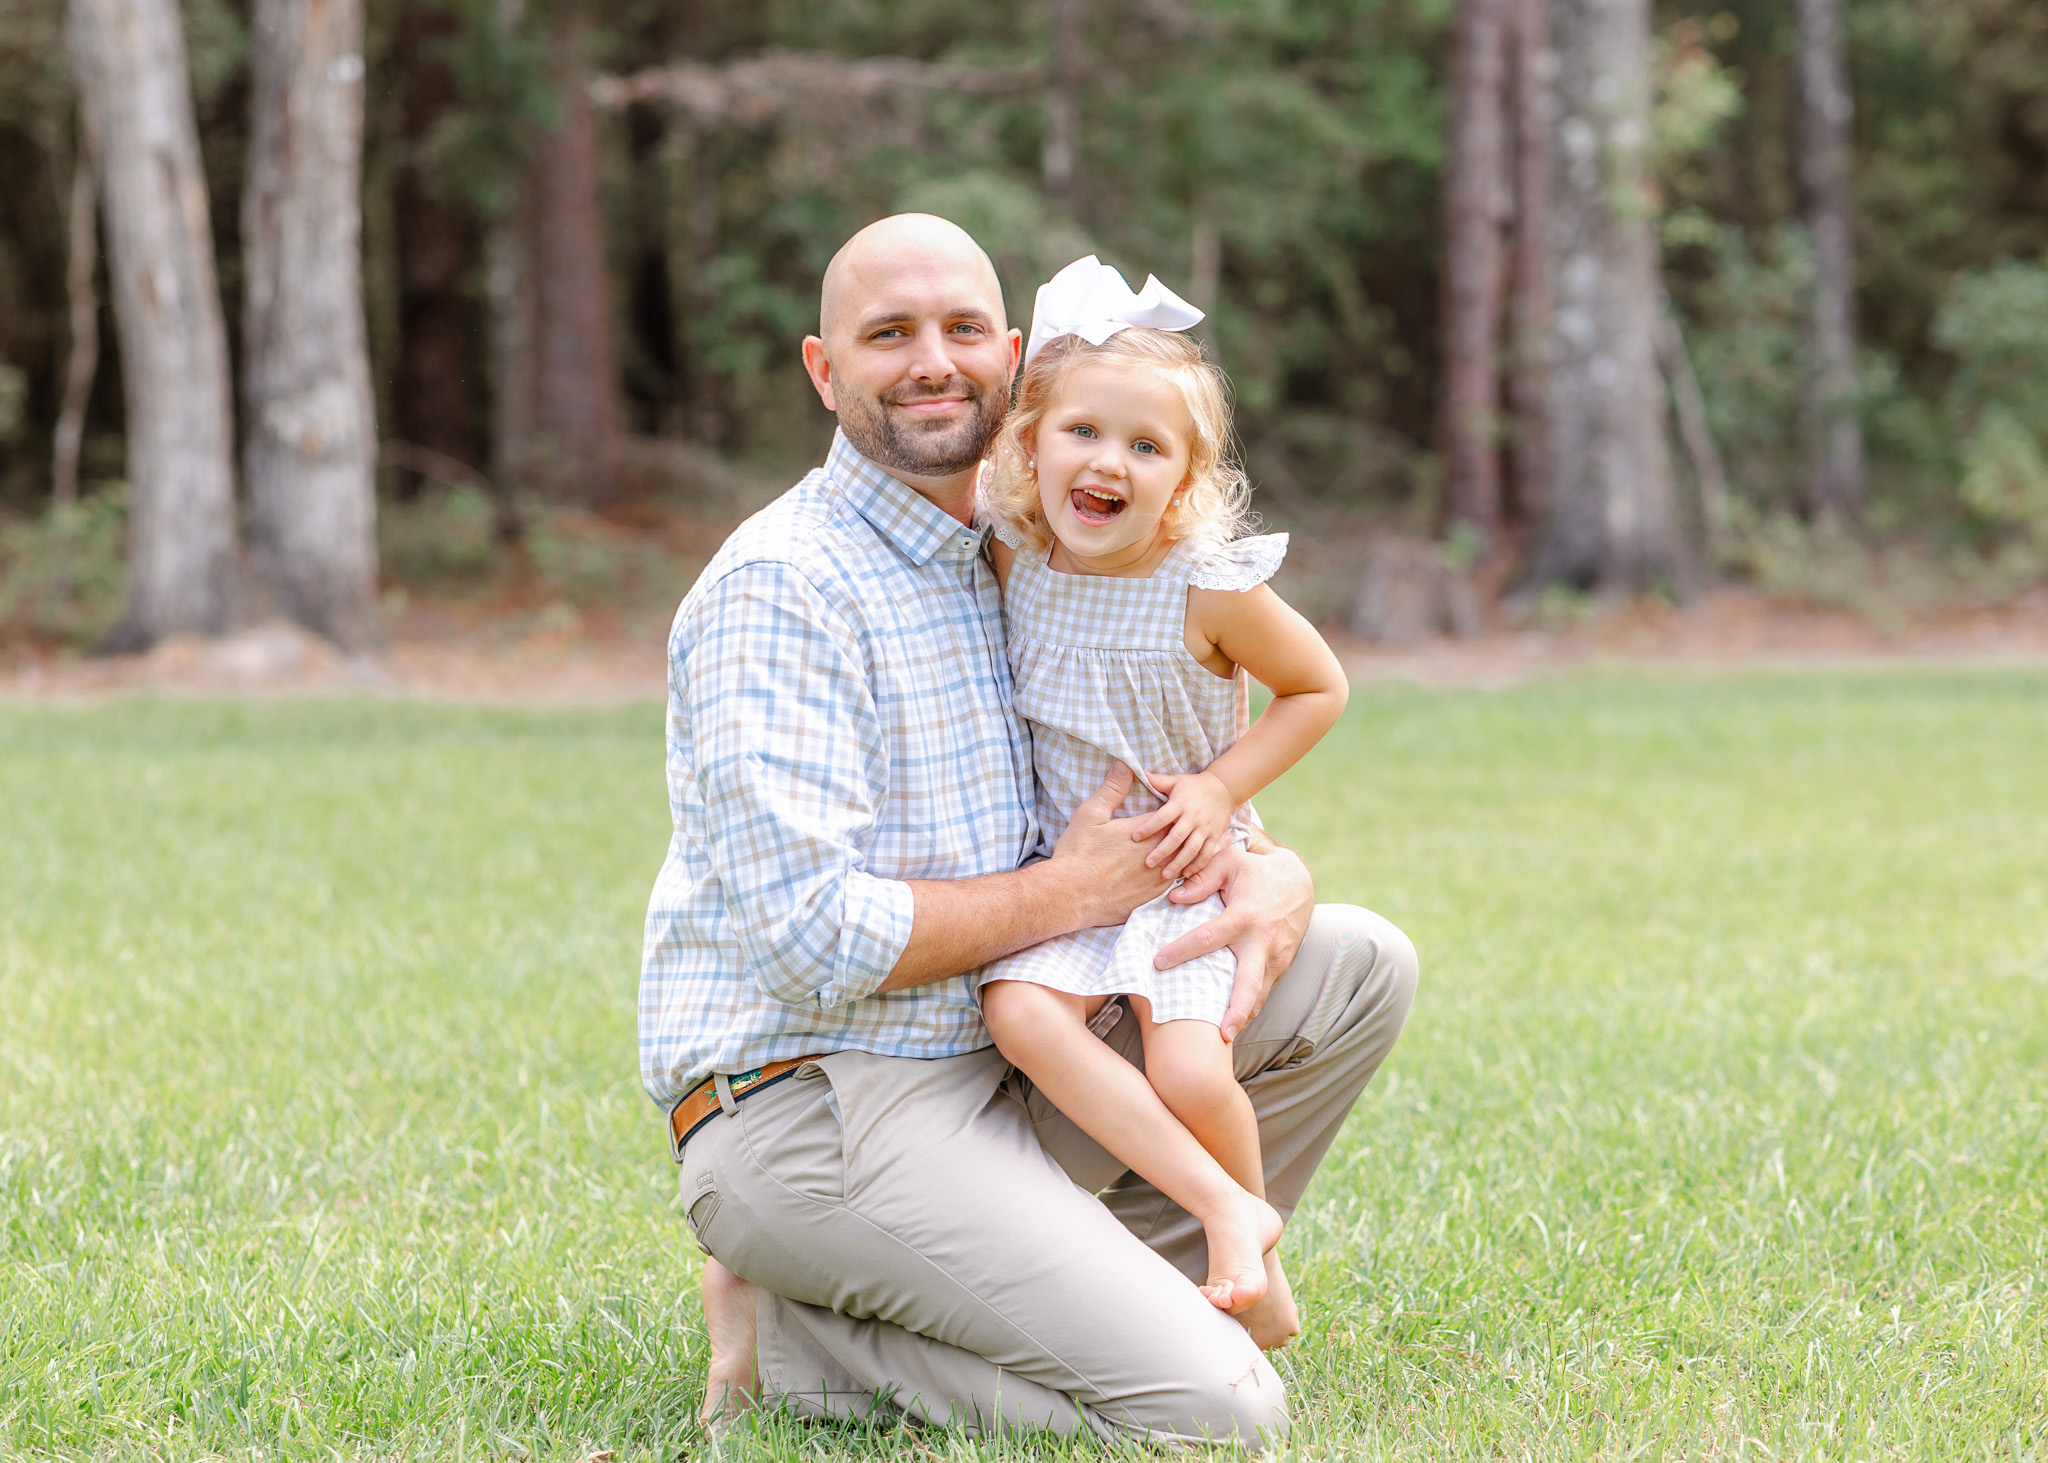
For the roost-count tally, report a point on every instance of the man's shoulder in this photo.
(809, 532)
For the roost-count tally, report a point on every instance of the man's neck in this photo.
(953, 495)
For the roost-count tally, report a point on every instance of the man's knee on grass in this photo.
(1249, 1408)
(1370, 942)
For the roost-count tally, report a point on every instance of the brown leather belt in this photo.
(700, 1104)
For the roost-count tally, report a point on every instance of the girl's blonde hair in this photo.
(1215, 501)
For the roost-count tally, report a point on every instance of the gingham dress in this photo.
(1103, 675)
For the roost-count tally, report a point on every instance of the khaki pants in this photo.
(930, 1242)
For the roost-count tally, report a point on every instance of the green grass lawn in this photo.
(1719, 1129)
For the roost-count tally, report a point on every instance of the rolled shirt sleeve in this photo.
(793, 767)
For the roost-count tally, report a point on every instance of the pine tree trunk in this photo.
(576, 391)
(1475, 208)
(81, 265)
(430, 402)
(509, 279)
(1533, 68)
(1834, 440)
(1613, 523)
(129, 56)
(692, 251)
(1061, 157)
(312, 442)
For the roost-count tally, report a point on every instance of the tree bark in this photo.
(1061, 158)
(1533, 69)
(430, 402)
(509, 280)
(1613, 524)
(692, 250)
(1709, 472)
(311, 456)
(1475, 210)
(1834, 440)
(576, 392)
(129, 56)
(81, 265)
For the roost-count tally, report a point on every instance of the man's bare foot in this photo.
(1239, 1237)
(729, 1322)
(1273, 1322)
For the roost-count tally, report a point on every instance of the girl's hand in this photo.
(1196, 816)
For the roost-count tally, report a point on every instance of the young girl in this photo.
(1134, 615)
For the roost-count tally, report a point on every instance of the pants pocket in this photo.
(700, 1204)
(793, 1133)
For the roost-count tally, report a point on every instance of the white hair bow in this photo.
(1091, 300)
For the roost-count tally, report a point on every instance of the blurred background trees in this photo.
(1600, 296)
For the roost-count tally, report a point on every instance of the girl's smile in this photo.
(1111, 452)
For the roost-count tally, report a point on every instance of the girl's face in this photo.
(1112, 450)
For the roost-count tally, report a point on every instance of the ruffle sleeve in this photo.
(1240, 564)
(1004, 530)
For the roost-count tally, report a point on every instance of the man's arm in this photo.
(1091, 879)
(1268, 896)
(791, 758)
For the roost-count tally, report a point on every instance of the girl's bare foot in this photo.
(1239, 1237)
(729, 1322)
(1273, 1322)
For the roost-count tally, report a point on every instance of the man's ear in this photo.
(818, 366)
(1016, 349)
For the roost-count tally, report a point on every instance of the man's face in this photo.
(916, 362)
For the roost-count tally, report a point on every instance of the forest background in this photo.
(591, 232)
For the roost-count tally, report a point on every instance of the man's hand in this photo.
(1096, 876)
(1108, 868)
(1268, 897)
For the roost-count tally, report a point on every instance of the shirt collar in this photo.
(905, 517)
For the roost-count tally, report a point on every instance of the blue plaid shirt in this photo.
(839, 721)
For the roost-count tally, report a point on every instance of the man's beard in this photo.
(924, 449)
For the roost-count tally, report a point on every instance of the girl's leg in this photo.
(1045, 1033)
(1188, 1064)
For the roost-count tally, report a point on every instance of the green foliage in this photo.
(1747, 326)
(216, 46)
(504, 93)
(1995, 323)
(1695, 96)
(443, 534)
(2005, 478)
(568, 562)
(1302, 137)
(1935, 84)
(64, 573)
(13, 403)
(1717, 1130)
(1305, 136)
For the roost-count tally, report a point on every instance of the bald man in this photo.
(895, 1223)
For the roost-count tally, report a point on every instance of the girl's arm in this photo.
(1258, 630)
(1003, 556)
